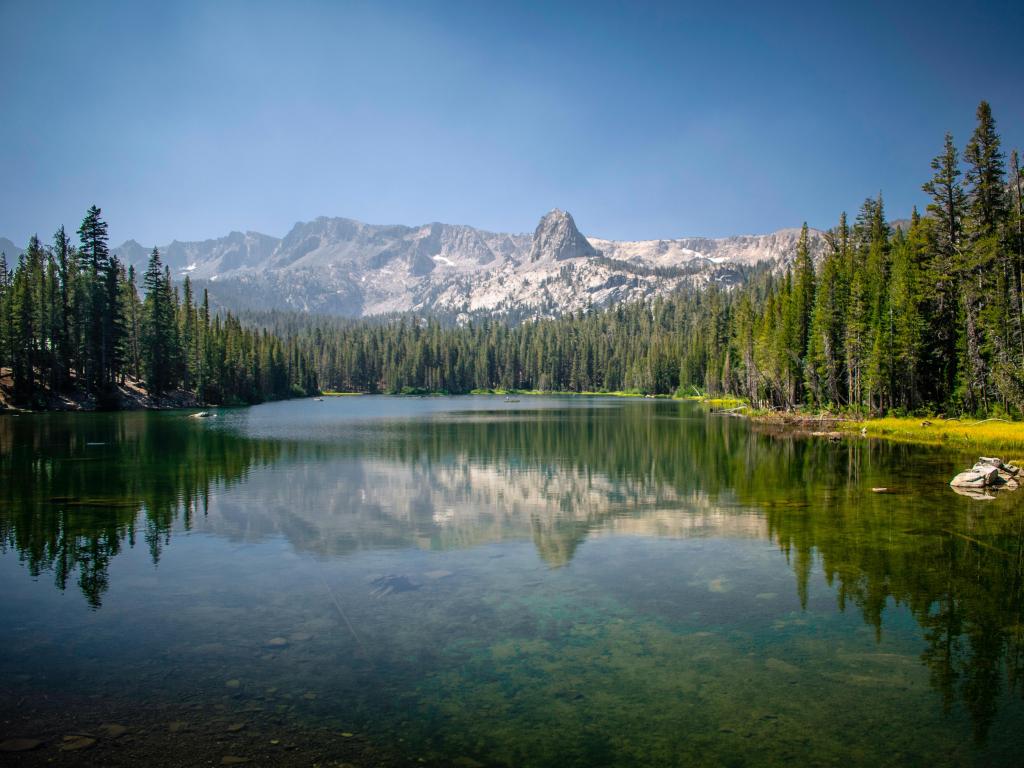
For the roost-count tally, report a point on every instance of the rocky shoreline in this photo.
(129, 395)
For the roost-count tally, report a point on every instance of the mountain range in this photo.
(344, 267)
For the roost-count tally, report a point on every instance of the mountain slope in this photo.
(11, 252)
(346, 267)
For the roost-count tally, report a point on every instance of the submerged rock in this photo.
(76, 742)
(392, 584)
(113, 730)
(19, 745)
(778, 665)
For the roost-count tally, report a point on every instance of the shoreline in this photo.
(958, 433)
(992, 433)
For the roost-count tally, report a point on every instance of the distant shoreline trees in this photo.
(72, 323)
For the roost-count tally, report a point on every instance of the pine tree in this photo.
(23, 330)
(907, 324)
(1016, 247)
(856, 339)
(187, 337)
(825, 343)
(986, 175)
(943, 274)
(132, 313)
(987, 280)
(156, 324)
(100, 310)
(64, 345)
(802, 302)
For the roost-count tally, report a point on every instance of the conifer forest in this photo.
(72, 322)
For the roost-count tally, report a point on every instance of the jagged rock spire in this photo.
(557, 238)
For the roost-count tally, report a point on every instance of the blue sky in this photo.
(645, 120)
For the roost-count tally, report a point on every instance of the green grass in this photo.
(332, 393)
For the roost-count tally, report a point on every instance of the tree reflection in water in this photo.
(77, 489)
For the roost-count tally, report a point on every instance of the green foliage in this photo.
(71, 320)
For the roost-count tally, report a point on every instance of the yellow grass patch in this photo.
(991, 433)
(725, 401)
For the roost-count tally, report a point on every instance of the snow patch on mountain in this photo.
(347, 267)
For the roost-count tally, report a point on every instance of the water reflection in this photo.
(78, 489)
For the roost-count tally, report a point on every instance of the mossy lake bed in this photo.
(465, 581)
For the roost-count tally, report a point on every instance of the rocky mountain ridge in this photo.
(345, 267)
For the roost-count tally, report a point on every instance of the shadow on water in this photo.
(78, 489)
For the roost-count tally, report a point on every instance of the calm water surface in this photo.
(555, 582)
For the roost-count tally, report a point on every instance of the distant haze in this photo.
(191, 119)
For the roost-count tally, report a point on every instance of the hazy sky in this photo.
(645, 120)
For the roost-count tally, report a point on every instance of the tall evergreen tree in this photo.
(825, 345)
(100, 311)
(157, 319)
(947, 209)
(987, 278)
(986, 175)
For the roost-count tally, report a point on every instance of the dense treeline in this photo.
(928, 316)
(72, 323)
(924, 316)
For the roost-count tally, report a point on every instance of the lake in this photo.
(465, 581)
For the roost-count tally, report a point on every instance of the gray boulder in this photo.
(981, 476)
(989, 472)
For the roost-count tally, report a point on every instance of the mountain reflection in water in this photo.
(362, 476)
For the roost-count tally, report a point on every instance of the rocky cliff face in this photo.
(557, 239)
(346, 267)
